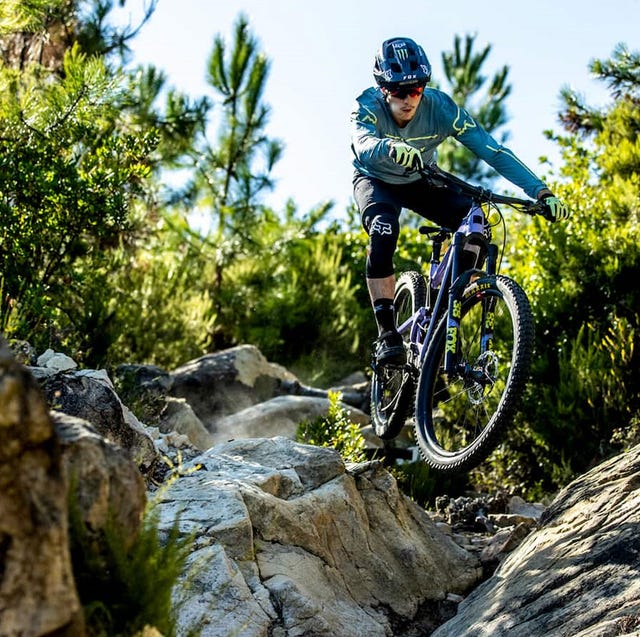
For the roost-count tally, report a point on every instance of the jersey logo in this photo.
(463, 122)
(369, 117)
(380, 227)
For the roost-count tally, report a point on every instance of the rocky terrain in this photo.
(289, 541)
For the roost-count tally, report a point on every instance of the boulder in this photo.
(105, 484)
(226, 382)
(90, 396)
(577, 574)
(37, 589)
(289, 539)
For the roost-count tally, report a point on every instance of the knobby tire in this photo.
(459, 421)
(393, 387)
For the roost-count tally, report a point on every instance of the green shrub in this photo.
(335, 430)
(123, 590)
(415, 480)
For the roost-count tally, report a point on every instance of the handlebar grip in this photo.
(545, 211)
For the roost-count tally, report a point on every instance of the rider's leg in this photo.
(383, 230)
(380, 218)
(381, 294)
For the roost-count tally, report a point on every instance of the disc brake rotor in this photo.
(482, 377)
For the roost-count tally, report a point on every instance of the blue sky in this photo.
(321, 56)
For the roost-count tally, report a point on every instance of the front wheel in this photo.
(460, 418)
(393, 387)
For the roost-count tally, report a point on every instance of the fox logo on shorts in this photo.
(380, 227)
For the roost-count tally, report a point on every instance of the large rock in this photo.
(226, 382)
(37, 590)
(577, 575)
(105, 484)
(291, 543)
(90, 396)
(279, 416)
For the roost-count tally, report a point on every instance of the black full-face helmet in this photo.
(400, 62)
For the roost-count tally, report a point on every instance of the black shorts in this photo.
(439, 205)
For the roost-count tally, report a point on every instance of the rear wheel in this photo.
(393, 387)
(459, 418)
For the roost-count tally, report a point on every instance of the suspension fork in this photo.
(488, 321)
(492, 258)
(454, 309)
(489, 304)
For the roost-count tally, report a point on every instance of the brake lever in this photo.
(543, 210)
(438, 179)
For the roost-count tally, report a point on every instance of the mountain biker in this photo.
(396, 128)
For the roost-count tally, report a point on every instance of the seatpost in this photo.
(436, 250)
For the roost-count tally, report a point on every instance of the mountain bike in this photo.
(468, 333)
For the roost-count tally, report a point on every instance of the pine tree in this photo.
(81, 136)
(463, 71)
(234, 170)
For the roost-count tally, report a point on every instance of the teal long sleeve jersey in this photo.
(437, 117)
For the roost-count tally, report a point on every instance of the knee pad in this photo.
(383, 237)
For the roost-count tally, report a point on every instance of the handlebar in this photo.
(440, 178)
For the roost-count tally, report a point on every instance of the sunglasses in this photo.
(401, 93)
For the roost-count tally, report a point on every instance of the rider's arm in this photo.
(367, 141)
(470, 133)
(372, 138)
